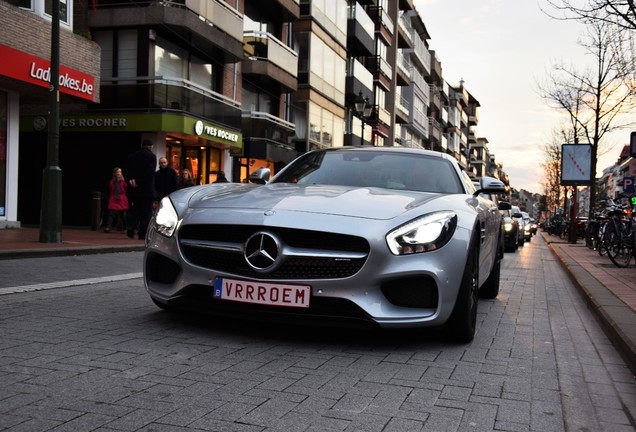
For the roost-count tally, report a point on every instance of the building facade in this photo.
(224, 85)
(25, 96)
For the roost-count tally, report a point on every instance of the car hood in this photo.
(371, 203)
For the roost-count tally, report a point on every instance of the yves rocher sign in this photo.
(35, 70)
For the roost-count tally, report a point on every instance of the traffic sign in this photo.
(628, 185)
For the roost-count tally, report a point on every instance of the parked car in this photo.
(388, 237)
(501, 205)
(512, 233)
(527, 226)
(516, 214)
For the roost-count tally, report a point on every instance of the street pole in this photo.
(51, 210)
(362, 133)
(572, 233)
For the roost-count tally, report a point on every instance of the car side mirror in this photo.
(260, 176)
(490, 185)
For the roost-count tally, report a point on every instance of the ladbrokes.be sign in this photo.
(35, 70)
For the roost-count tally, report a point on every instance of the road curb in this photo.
(616, 318)
(61, 251)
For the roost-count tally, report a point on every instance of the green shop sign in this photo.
(139, 123)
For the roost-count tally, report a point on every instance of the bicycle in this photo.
(620, 237)
(611, 209)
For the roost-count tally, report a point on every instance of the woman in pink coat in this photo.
(117, 202)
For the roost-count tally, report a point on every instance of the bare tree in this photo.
(552, 175)
(620, 13)
(595, 100)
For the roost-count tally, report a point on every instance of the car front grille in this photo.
(308, 265)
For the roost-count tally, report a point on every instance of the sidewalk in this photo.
(610, 291)
(24, 243)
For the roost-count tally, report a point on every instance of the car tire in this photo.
(490, 288)
(463, 320)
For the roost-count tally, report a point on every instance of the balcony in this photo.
(274, 10)
(383, 115)
(270, 59)
(435, 130)
(359, 80)
(156, 94)
(403, 69)
(420, 122)
(359, 32)
(382, 71)
(264, 127)
(382, 22)
(211, 24)
(405, 31)
(420, 55)
(402, 109)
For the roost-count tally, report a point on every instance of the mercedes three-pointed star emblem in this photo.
(262, 252)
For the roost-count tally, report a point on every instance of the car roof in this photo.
(388, 149)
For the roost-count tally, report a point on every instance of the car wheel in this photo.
(463, 320)
(521, 241)
(490, 288)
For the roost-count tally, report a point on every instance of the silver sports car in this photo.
(386, 236)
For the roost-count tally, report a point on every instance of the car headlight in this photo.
(508, 226)
(526, 228)
(423, 234)
(166, 218)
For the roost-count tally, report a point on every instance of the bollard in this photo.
(96, 210)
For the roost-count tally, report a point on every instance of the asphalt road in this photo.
(82, 350)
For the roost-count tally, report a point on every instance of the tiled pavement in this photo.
(118, 364)
(609, 291)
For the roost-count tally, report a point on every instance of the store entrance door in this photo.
(193, 162)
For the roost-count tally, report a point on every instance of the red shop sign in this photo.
(35, 70)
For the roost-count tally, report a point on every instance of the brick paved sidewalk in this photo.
(609, 291)
(24, 243)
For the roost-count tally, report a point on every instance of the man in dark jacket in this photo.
(165, 179)
(140, 174)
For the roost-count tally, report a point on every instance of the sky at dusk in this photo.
(503, 49)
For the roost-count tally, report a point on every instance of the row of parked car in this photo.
(519, 227)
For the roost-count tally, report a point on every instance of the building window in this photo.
(328, 70)
(48, 9)
(44, 8)
(174, 62)
(325, 128)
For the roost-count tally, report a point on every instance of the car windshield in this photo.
(390, 170)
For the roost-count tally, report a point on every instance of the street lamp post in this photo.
(363, 111)
(51, 212)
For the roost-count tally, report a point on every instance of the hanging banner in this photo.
(35, 70)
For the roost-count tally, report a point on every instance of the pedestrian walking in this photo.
(165, 179)
(220, 178)
(185, 179)
(140, 171)
(117, 201)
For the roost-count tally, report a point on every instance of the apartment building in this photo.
(230, 85)
(25, 49)
(269, 71)
(413, 73)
